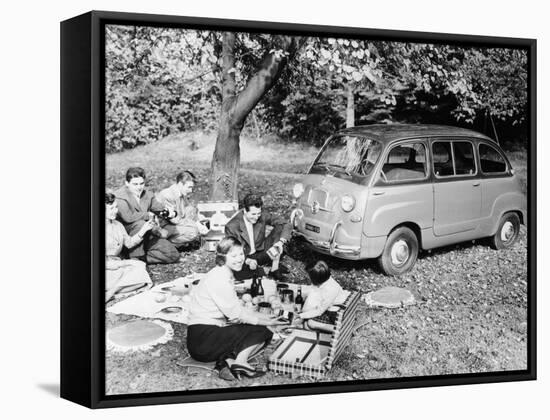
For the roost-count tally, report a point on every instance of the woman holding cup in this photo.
(122, 276)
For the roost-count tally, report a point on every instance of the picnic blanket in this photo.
(176, 294)
(138, 335)
(172, 297)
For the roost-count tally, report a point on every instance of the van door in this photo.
(456, 187)
(501, 191)
(402, 192)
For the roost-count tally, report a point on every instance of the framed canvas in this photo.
(254, 209)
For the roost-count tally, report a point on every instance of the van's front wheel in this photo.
(400, 252)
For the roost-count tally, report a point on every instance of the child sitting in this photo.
(325, 293)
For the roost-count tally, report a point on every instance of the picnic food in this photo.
(160, 297)
(171, 309)
(285, 316)
(276, 303)
(264, 307)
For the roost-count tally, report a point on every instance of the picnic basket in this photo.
(313, 353)
(218, 213)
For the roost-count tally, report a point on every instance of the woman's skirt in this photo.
(130, 277)
(210, 343)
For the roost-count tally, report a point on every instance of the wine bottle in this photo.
(254, 286)
(299, 300)
(260, 289)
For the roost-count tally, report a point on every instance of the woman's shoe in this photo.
(227, 374)
(240, 370)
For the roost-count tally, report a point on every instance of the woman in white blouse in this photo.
(122, 276)
(220, 328)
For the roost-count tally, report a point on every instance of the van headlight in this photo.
(298, 190)
(295, 216)
(348, 203)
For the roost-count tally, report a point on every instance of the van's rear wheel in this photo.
(400, 252)
(507, 232)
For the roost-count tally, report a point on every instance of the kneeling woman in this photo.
(220, 328)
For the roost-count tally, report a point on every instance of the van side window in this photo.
(492, 161)
(406, 162)
(443, 159)
(464, 158)
(453, 158)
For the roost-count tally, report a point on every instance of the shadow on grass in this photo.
(300, 251)
(461, 246)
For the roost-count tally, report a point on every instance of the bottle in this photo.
(254, 286)
(299, 301)
(260, 293)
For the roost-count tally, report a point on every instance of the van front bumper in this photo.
(331, 246)
(370, 246)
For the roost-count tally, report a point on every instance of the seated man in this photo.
(135, 207)
(248, 226)
(185, 227)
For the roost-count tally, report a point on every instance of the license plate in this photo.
(315, 229)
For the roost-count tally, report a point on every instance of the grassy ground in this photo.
(471, 311)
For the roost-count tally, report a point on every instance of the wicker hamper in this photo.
(311, 353)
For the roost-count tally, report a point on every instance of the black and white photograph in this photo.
(325, 207)
(242, 209)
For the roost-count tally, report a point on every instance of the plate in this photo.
(171, 309)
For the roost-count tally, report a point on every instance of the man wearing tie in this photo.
(249, 227)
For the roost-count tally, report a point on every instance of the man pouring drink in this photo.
(249, 227)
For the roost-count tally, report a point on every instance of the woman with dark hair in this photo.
(220, 328)
(122, 276)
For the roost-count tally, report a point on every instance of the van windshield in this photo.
(348, 156)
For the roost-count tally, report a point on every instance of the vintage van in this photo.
(387, 191)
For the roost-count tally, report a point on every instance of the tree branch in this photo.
(228, 68)
(268, 73)
(192, 79)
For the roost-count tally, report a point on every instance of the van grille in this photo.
(321, 196)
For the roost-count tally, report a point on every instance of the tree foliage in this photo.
(166, 80)
(158, 81)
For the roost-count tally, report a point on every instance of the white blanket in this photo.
(146, 304)
(176, 294)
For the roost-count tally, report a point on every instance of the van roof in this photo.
(386, 133)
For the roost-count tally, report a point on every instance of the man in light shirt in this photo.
(184, 228)
(248, 226)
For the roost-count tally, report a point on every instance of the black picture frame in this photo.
(82, 233)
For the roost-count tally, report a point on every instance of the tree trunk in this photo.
(226, 159)
(350, 110)
(226, 162)
(235, 108)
